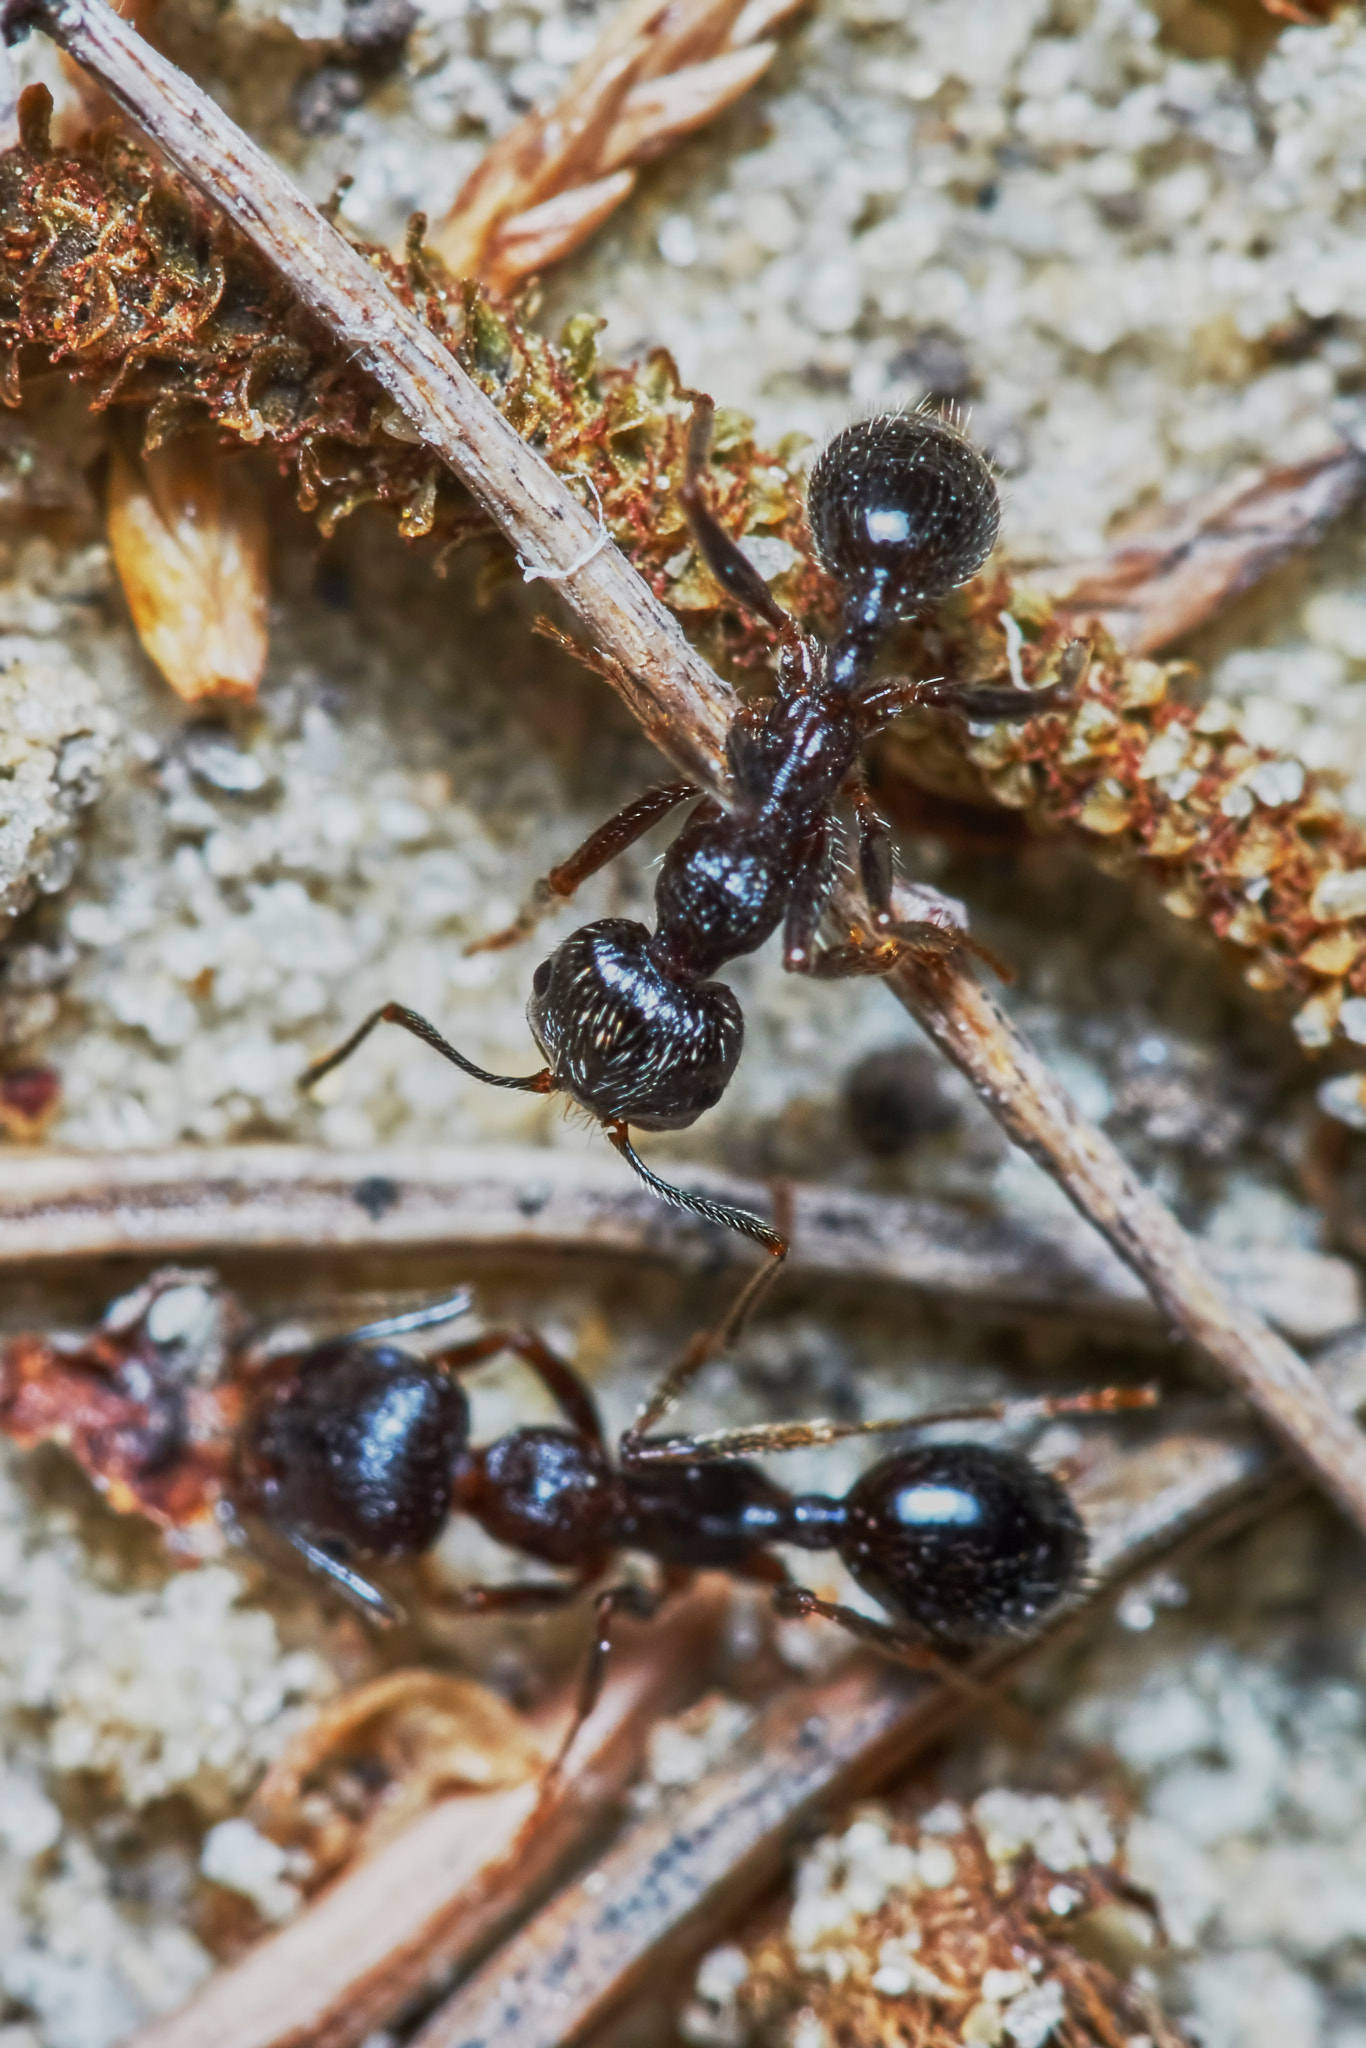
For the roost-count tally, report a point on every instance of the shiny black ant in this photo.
(356, 1452)
(902, 509)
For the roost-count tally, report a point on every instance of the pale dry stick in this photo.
(682, 704)
(507, 1202)
(440, 1892)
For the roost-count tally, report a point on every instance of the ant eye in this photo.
(904, 502)
(540, 980)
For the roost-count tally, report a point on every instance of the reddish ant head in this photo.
(964, 1541)
(626, 1040)
(902, 510)
(354, 1446)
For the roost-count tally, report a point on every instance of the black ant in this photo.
(356, 1452)
(902, 510)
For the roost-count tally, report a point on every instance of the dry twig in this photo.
(494, 1202)
(441, 1891)
(680, 702)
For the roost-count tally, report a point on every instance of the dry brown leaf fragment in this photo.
(372, 1760)
(189, 541)
(1179, 567)
(662, 69)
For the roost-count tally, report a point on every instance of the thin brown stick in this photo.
(681, 703)
(441, 1891)
(499, 1202)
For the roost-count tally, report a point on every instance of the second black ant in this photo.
(631, 1024)
(357, 1452)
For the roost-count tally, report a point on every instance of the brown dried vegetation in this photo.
(986, 1958)
(118, 272)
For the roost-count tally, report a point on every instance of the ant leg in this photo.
(632, 822)
(796, 1603)
(810, 894)
(429, 1318)
(704, 1346)
(357, 1592)
(559, 1379)
(397, 1013)
(874, 853)
(642, 1604)
(704, 1206)
(726, 559)
(533, 1596)
(985, 702)
(795, 1436)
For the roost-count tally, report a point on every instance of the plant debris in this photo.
(373, 1759)
(662, 70)
(188, 535)
(119, 272)
(941, 1934)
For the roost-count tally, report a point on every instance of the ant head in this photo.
(963, 1541)
(902, 508)
(354, 1445)
(627, 1041)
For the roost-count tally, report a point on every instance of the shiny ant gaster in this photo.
(902, 509)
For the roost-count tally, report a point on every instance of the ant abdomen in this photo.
(902, 509)
(629, 1041)
(963, 1541)
(354, 1446)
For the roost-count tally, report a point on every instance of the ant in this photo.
(356, 1452)
(902, 510)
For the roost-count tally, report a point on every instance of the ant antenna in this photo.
(705, 1206)
(356, 1591)
(398, 1013)
(428, 1318)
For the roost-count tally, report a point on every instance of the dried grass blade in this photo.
(1168, 578)
(496, 1202)
(660, 112)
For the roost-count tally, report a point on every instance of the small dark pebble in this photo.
(895, 1097)
(377, 1195)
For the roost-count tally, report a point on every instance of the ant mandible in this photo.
(902, 509)
(357, 1452)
